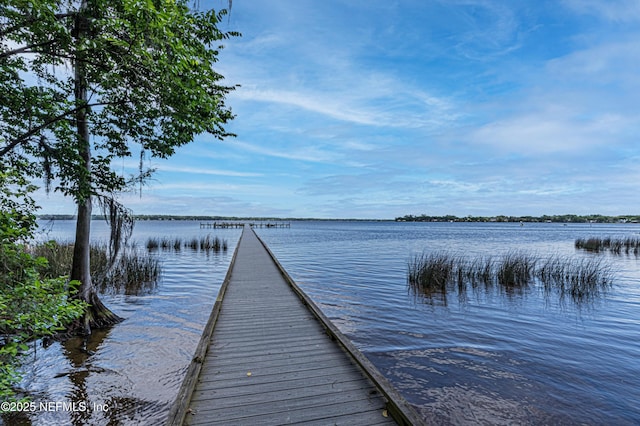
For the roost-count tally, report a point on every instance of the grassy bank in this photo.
(131, 273)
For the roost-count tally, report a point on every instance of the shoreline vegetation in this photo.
(439, 273)
(628, 245)
(144, 217)
(564, 218)
(133, 272)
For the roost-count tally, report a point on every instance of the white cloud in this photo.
(400, 107)
(612, 10)
(207, 171)
(600, 64)
(303, 153)
(547, 133)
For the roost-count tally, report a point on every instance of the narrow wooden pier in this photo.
(225, 225)
(268, 356)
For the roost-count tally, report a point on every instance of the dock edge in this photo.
(397, 406)
(180, 407)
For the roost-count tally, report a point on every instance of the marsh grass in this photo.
(436, 274)
(515, 269)
(135, 274)
(626, 245)
(433, 271)
(206, 244)
(132, 273)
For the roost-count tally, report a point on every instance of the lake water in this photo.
(483, 357)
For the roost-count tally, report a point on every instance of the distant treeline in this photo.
(195, 218)
(158, 217)
(564, 218)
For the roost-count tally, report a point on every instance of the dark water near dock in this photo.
(485, 358)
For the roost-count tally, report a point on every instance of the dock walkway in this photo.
(266, 358)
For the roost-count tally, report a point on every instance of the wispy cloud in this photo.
(380, 102)
(612, 10)
(205, 171)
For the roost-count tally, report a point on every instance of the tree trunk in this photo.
(97, 315)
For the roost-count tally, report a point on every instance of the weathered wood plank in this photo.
(274, 395)
(283, 415)
(306, 408)
(262, 357)
(210, 390)
(259, 374)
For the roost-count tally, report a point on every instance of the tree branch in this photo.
(25, 136)
(25, 49)
(30, 20)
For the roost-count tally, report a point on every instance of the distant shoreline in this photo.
(211, 218)
(567, 218)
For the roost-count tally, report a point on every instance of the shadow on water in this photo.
(72, 407)
(74, 399)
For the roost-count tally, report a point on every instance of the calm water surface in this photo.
(485, 357)
(488, 357)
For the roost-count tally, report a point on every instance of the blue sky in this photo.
(377, 109)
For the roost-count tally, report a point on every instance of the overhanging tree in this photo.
(83, 83)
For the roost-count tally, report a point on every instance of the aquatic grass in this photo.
(153, 244)
(515, 269)
(480, 271)
(193, 244)
(131, 273)
(206, 243)
(59, 257)
(166, 243)
(431, 272)
(581, 279)
(438, 273)
(626, 245)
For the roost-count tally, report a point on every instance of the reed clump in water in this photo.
(441, 272)
(582, 279)
(515, 269)
(626, 245)
(130, 273)
(433, 272)
(206, 244)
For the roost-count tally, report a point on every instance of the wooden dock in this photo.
(269, 356)
(262, 224)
